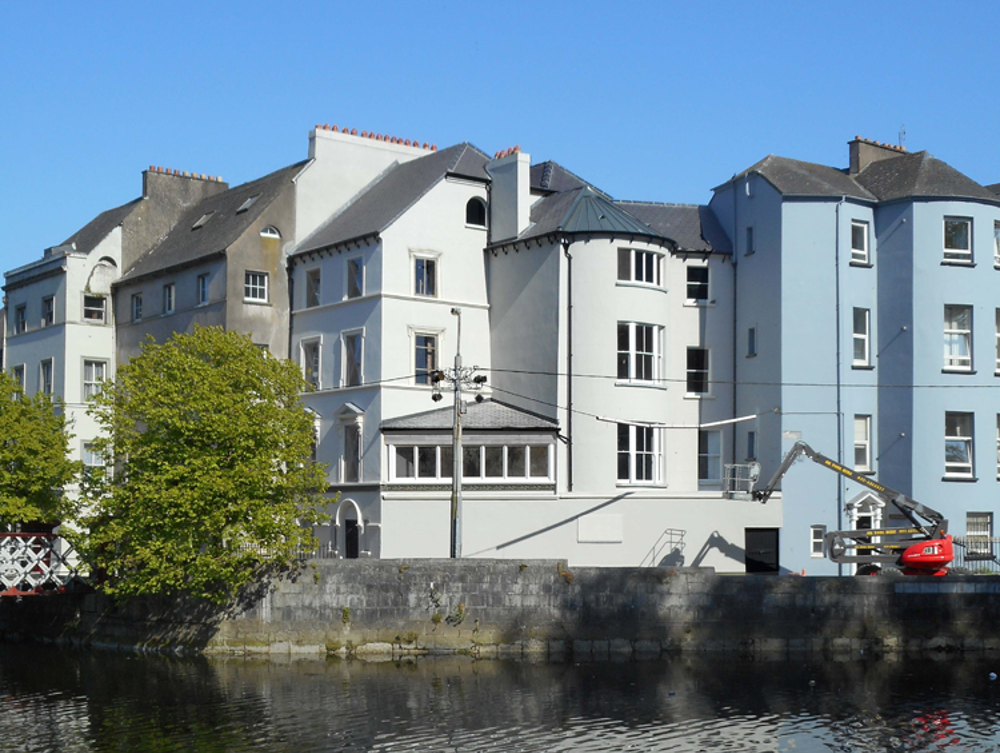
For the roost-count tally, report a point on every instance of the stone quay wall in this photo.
(491, 608)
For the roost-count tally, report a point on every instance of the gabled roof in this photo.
(90, 235)
(554, 178)
(225, 225)
(584, 211)
(487, 415)
(393, 193)
(690, 226)
(792, 177)
(920, 174)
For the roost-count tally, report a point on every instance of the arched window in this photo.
(270, 232)
(475, 212)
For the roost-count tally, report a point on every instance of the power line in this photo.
(730, 382)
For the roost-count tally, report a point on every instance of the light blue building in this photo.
(867, 323)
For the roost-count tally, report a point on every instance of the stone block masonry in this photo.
(500, 608)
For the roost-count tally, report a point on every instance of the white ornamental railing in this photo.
(35, 563)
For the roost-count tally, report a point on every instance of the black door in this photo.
(351, 539)
(761, 550)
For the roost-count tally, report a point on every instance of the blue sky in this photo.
(657, 101)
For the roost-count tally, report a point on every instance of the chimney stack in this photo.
(863, 152)
(510, 193)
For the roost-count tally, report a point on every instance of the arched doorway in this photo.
(348, 519)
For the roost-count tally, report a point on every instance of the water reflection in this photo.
(77, 701)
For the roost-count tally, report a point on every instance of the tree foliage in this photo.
(212, 478)
(34, 467)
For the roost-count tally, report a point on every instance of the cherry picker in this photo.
(923, 548)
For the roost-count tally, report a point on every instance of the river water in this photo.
(53, 700)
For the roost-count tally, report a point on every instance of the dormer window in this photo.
(203, 219)
(475, 212)
(270, 232)
(247, 204)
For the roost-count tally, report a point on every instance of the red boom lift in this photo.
(925, 548)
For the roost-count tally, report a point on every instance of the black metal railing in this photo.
(978, 553)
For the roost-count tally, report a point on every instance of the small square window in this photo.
(958, 239)
(255, 287)
(94, 308)
(817, 537)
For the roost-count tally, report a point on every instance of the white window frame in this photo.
(996, 243)
(863, 442)
(254, 282)
(169, 298)
(953, 436)
(344, 336)
(996, 367)
(709, 458)
(423, 258)
(652, 440)
(92, 386)
(958, 337)
(706, 286)
(861, 335)
(314, 291)
(47, 376)
(48, 310)
(202, 289)
(688, 372)
(817, 539)
(978, 532)
(415, 333)
(305, 350)
(957, 253)
(358, 259)
(136, 307)
(443, 465)
(91, 458)
(860, 254)
(270, 232)
(356, 429)
(635, 265)
(632, 358)
(103, 309)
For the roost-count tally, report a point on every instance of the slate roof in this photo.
(919, 174)
(394, 192)
(553, 177)
(690, 226)
(184, 244)
(484, 416)
(584, 211)
(87, 237)
(792, 177)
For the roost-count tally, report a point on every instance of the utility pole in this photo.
(459, 377)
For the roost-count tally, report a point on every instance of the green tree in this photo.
(212, 478)
(34, 465)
